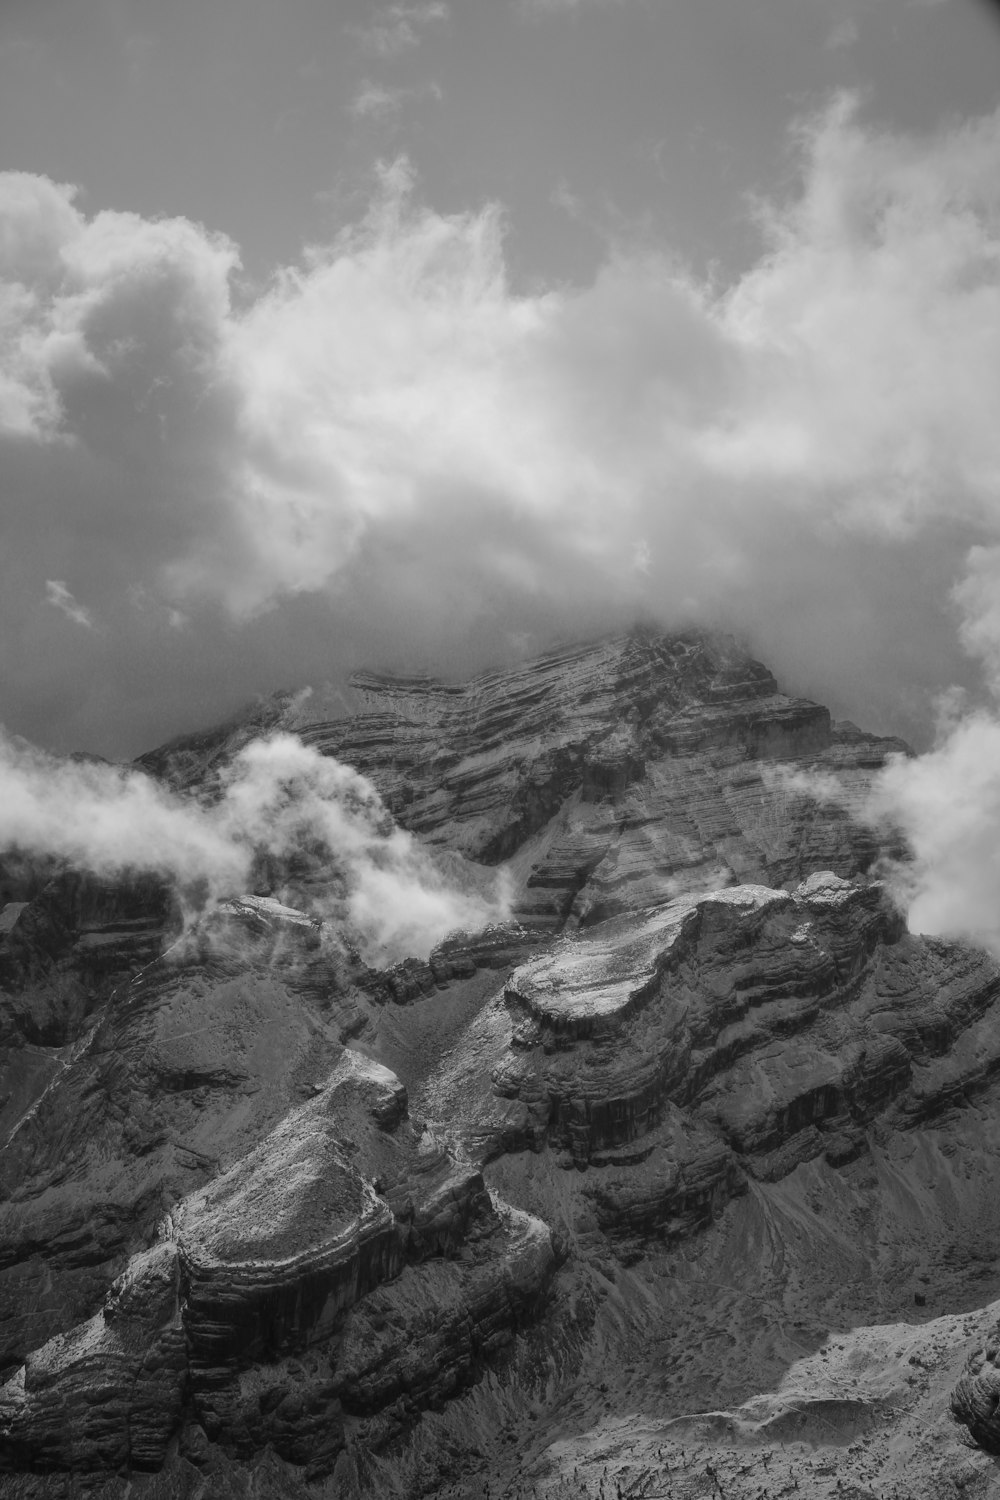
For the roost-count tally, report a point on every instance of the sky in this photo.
(419, 335)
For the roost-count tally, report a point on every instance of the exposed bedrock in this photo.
(343, 1192)
(976, 1398)
(485, 764)
(460, 957)
(272, 1265)
(66, 949)
(668, 1185)
(109, 1393)
(676, 1053)
(179, 1074)
(612, 775)
(167, 1081)
(609, 1030)
(699, 1103)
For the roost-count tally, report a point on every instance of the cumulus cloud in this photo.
(279, 800)
(947, 801)
(948, 804)
(393, 449)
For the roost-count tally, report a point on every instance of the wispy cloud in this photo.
(395, 29)
(555, 7)
(843, 34)
(376, 101)
(58, 595)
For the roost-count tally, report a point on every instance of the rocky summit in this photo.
(680, 1182)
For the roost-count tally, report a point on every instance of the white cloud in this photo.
(395, 429)
(843, 34)
(562, 7)
(377, 886)
(396, 28)
(948, 804)
(555, 6)
(59, 596)
(375, 101)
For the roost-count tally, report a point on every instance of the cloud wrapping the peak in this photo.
(395, 429)
(375, 885)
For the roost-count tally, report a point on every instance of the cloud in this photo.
(947, 802)
(946, 805)
(394, 452)
(374, 884)
(395, 29)
(374, 101)
(554, 7)
(60, 597)
(843, 34)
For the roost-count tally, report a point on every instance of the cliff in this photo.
(691, 1158)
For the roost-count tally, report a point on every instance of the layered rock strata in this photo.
(703, 1094)
(275, 1262)
(736, 1035)
(610, 775)
(976, 1398)
(615, 774)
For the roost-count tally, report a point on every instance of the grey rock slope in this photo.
(693, 1161)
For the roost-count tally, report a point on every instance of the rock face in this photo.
(976, 1398)
(731, 1036)
(610, 773)
(272, 1222)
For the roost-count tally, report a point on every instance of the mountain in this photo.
(681, 1181)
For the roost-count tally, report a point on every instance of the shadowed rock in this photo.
(976, 1398)
(272, 1221)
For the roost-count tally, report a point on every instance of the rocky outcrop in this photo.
(179, 1073)
(610, 775)
(976, 1398)
(273, 1221)
(108, 1394)
(274, 1261)
(613, 774)
(497, 948)
(678, 1053)
(68, 948)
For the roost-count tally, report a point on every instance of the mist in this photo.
(372, 884)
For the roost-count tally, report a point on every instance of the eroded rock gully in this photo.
(683, 1178)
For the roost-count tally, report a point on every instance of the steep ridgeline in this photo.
(720, 1041)
(613, 775)
(609, 776)
(683, 1181)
